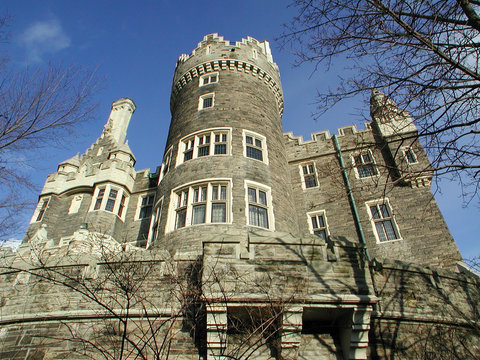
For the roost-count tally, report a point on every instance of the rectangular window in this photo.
(206, 101)
(188, 152)
(410, 156)
(112, 196)
(220, 147)
(98, 201)
(110, 203)
(255, 146)
(166, 162)
(182, 200)
(207, 143)
(111, 200)
(208, 79)
(365, 165)
(202, 204)
(156, 224)
(318, 223)
(383, 221)
(199, 205)
(146, 207)
(257, 207)
(122, 206)
(42, 210)
(309, 175)
(219, 203)
(203, 145)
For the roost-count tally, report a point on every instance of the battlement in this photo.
(319, 136)
(89, 174)
(263, 46)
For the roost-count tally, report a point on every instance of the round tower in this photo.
(225, 168)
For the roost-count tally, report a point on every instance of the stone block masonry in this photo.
(245, 242)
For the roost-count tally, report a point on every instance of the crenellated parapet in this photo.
(325, 135)
(249, 41)
(88, 175)
(248, 56)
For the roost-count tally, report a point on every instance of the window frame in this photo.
(255, 136)
(391, 218)
(409, 150)
(138, 211)
(323, 214)
(119, 207)
(182, 200)
(155, 222)
(166, 163)
(269, 204)
(208, 76)
(40, 209)
(202, 98)
(363, 164)
(303, 175)
(196, 136)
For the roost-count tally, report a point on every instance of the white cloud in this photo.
(44, 38)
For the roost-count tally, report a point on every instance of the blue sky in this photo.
(135, 45)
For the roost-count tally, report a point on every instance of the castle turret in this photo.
(93, 189)
(119, 119)
(225, 163)
(390, 120)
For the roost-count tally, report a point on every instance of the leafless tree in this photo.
(126, 303)
(38, 108)
(423, 54)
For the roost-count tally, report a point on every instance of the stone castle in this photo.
(246, 242)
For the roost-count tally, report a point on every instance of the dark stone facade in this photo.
(245, 242)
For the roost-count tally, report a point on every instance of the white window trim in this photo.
(167, 160)
(205, 96)
(372, 222)
(172, 206)
(208, 75)
(268, 191)
(246, 133)
(357, 175)
(118, 199)
(38, 208)
(139, 204)
(196, 134)
(404, 153)
(302, 175)
(155, 218)
(315, 213)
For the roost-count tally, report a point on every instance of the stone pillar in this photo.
(291, 334)
(359, 333)
(216, 331)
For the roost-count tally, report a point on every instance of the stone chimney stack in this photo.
(119, 118)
